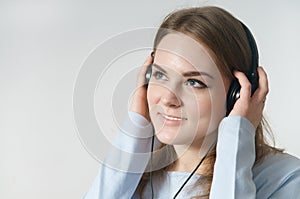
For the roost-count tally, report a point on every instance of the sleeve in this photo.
(121, 172)
(233, 176)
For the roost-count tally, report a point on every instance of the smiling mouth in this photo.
(172, 118)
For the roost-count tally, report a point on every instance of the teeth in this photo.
(172, 118)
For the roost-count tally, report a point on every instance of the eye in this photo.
(195, 83)
(159, 75)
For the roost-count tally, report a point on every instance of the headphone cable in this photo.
(151, 169)
(193, 172)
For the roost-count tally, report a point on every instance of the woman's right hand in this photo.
(139, 100)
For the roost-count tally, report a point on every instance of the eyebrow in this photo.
(185, 74)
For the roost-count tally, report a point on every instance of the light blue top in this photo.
(276, 177)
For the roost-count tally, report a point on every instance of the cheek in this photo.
(153, 99)
(153, 95)
(207, 111)
(218, 110)
(199, 106)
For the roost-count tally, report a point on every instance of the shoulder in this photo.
(277, 171)
(283, 163)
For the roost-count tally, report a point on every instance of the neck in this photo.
(190, 156)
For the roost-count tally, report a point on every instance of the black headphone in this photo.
(234, 90)
(149, 70)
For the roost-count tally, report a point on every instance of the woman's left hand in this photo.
(247, 106)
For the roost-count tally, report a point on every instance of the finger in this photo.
(147, 62)
(263, 86)
(245, 92)
(143, 70)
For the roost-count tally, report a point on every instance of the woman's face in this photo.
(186, 94)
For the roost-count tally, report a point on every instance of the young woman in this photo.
(209, 139)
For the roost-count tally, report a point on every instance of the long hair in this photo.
(224, 37)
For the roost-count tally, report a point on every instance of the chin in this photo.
(174, 137)
(166, 136)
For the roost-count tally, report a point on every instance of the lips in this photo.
(172, 117)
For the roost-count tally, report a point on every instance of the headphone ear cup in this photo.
(233, 95)
(148, 74)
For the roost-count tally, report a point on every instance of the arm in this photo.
(131, 153)
(236, 142)
(235, 158)
(276, 177)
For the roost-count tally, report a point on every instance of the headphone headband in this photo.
(234, 89)
(252, 76)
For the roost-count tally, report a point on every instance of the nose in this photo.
(170, 99)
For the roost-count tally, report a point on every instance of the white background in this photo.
(44, 43)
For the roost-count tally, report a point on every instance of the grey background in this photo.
(42, 47)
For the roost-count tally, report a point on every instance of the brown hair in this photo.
(224, 37)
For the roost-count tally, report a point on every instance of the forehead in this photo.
(182, 52)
